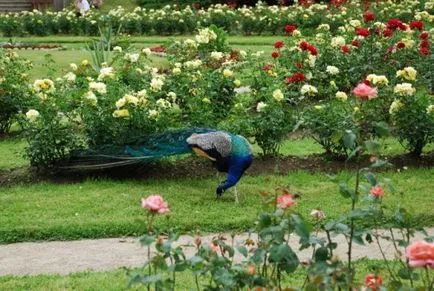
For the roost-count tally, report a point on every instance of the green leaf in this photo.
(258, 257)
(147, 240)
(321, 254)
(301, 227)
(372, 147)
(243, 251)
(349, 139)
(382, 128)
(371, 178)
(345, 190)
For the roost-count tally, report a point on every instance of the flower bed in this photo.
(260, 19)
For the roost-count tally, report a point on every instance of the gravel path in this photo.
(64, 257)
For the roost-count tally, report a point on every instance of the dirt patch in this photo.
(195, 167)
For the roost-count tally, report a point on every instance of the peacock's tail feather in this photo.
(141, 150)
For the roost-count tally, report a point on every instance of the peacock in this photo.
(229, 153)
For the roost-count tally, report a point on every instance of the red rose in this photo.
(289, 29)
(304, 45)
(403, 27)
(355, 43)
(366, 82)
(278, 44)
(377, 31)
(394, 24)
(299, 65)
(345, 49)
(424, 35)
(362, 32)
(313, 51)
(387, 33)
(424, 43)
(297, 77)
(369, 16)
(275, 55)
(400, 45)
(424, 51)
(373, 282)
(267, 68)
(416, 24)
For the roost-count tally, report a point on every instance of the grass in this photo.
(108, 208)
(11, 153)
(62, 60)
(118, 279)
(145, 39)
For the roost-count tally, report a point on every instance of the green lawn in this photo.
(107, 208)
(11, 153)
(118, 279)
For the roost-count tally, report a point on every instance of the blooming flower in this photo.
(430, 109)
(261, 106)
(121, 113)
(227, 73)
(278, 44)
(132, 58)
(368, 16)
(156, 84)
(216, 55)
(395, 106)
(32, 114)
(117, 49)
(89, 95)
(45, 85)
(70, 77)
(404, 89)
(421, 254)
(285, 201)
(365, 92)
(289, 29)
(338, 41)
(275, 55)
(308, 89)
(377, 191)
(373, 281)
(237, 82)
(342, 96)
(155, 204)
(73, 66)
(98, 87)
(332, 70)
(318, 214)
(408, 73)
(278, 95)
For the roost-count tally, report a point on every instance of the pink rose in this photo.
(377, 191)
(365, 92)
(285, 201)
(421, 254)
(155, 204)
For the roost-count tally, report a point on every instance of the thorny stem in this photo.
(353, 205)
(407, 236)
(393, 240)
(196, 279)
(149, 265)
(382, 253)
(329, 239)
(279, 278)
(430, 283)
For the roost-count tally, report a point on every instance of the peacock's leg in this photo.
(236, 195)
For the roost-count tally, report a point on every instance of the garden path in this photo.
(64, 257)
